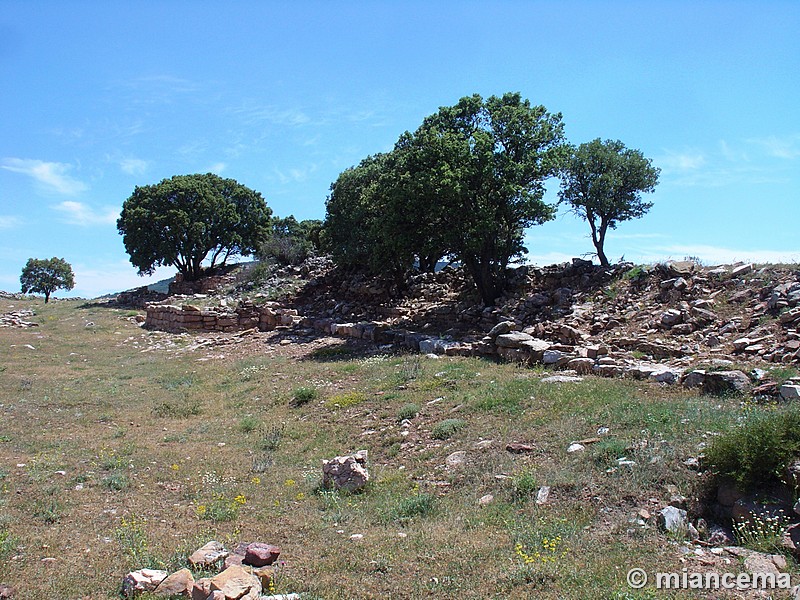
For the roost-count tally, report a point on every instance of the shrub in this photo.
(408, 411)
(759, 450)
(523, 486)
(418, 505)
(248, 424)
(303, 395)
(447, 428)
(346, 400)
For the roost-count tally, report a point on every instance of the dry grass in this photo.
(120, 448)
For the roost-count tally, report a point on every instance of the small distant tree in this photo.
(603, 182)
(187, 219)
(44, 276)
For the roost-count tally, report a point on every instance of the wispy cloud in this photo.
(787, 147)
(216, 168)
(133, 166)
(680, 162)
(9, 222)
(715, 255)
(78, 213)
(51, 176)
(254, 113)
(295, 174)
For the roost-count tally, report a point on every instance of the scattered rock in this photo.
(543, 495)
(143, 580)
(673, 520)
(456, 459)
(485, 500)
(179, 583)
(235, 583)
(209, 556)
(519, 448)
(259, 554)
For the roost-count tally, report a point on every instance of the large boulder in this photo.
(143, 580)
(726, 382)
(179, 583)
(347, 473)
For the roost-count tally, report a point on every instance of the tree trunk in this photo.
(46, 296)
(488, 284)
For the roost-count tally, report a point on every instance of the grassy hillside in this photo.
(122, 448)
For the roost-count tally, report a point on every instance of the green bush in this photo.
(447, 428)
(758, 452)
(303, 395)
(408, 411)
(418, 505)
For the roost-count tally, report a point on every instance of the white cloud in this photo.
(133, 166)
(9, 222)
(295, 174)
(52, 176)
(253, 113)
(78, 213)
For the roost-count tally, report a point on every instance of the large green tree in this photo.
(478, 171)
(290, 241)
(603, 182)
(187, 219)
(45, 276)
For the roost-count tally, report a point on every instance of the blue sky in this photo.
(101, 96)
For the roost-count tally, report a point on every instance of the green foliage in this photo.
(116, 482)
(45, 276)
(465, 185)
(417, 505)
(408, 411)
(608, 450)
(757, 452)
(447, 428)
(291, 241)
(303, 395)
(603, 182)
(345, 400)
(8, 543)
(523, 486)
(249, 424)
(182, 220)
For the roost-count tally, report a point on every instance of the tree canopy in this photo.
(603, 181)
(465, 185)
(187, 219)
(44, 276)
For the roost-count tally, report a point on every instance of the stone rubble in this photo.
(661, 324)
(239, 575)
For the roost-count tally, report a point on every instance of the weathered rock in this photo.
(179, 583)
(259, 554)
(6, 592)
(237, 584)
(513, 339)
(720, 536)
(791, 539)
(726, 382)
(673, 520)
(201, 589)
(501, 328)
(456, 459)
(519, 448)
(576, 447)
(741, 270)
(694, 379)
(486, 500)
(581, 365)
(543, 495)
(143, 580)
(210, 555)
(562, 379)
(347, 473)
(790, 392)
